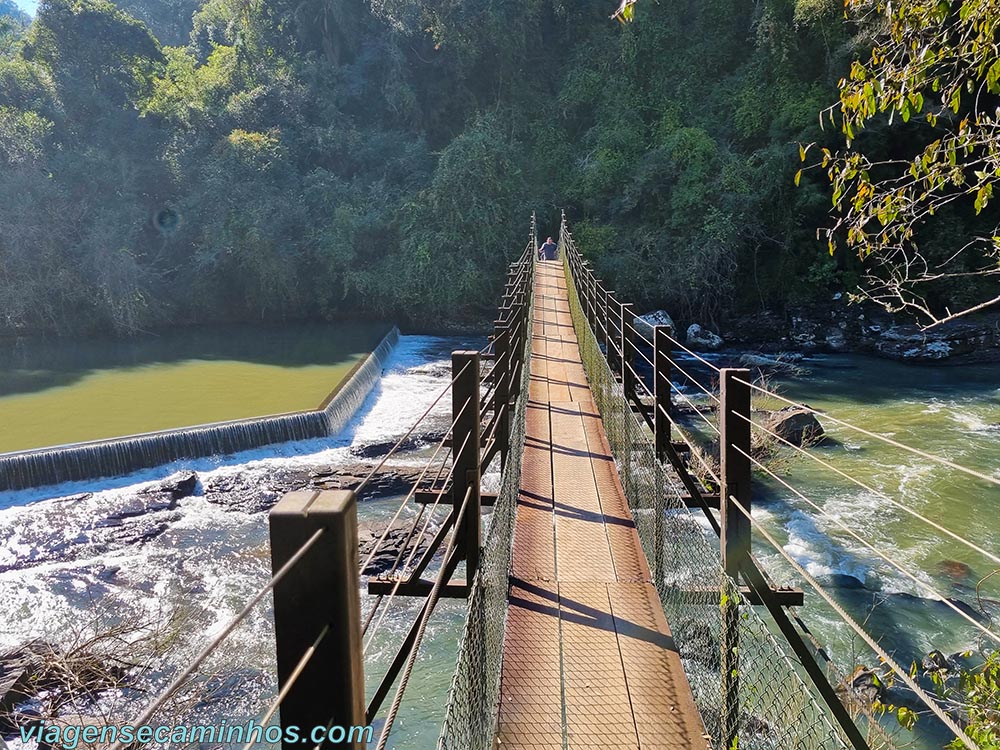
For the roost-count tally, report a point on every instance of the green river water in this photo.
(67, 391)
(948, 411)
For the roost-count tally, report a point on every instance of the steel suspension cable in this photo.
(640, 381)
(399, 581)
(421, 629)
(926, 586)
(878, 493)
(406, 543)
(694, 380)
(862, 633)
(178, 681)
(413, 489)
(292, 679)
(399, 443)
(693, 354)
(694, 408)
(694, 450)
(876, 436)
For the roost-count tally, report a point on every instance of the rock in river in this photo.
(644, 323)
(970, 340)
(797, 426)
(702, 338)
(396, 538)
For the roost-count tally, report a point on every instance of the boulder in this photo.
(158, 497)
(702, 338)
(252, 491)
(796, 425)
(836, 340)
(397, 539)
(388, 481)
(644, 323)
(18, 669)
(379, 449)
(866, 685)
(181, 484)
(845, 581)
(805, 332)
(26, 672)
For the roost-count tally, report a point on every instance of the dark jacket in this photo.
(547, 251)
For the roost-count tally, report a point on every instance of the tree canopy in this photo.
(179, 161)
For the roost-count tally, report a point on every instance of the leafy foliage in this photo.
(317, 158)
(934, 72)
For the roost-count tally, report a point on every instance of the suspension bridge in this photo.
(614, 598)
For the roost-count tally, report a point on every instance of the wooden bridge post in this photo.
(664, 408)
(734, 538)
(503, 351)
(628, 350)
(465, 461)
(319, 596)
(609, 336)
(734, 431)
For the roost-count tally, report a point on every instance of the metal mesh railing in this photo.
(776, 710)
(470, 719)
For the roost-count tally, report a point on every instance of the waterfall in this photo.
(346, 399)
(108, 458)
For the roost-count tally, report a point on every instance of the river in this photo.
(58, 561)
(68, 391)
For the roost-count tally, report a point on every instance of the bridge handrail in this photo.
(494, 433)
(754, 693)
(607, 320)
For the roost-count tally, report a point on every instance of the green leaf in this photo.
(906, 717)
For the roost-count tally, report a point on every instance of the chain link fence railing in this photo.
(776, 710)
(470, 719)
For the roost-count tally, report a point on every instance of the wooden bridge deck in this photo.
(588, 658)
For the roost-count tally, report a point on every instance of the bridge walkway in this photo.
(588, 659)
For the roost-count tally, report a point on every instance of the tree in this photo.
(914, 184)
(99, 57)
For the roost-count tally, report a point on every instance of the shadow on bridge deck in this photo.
(588, 657)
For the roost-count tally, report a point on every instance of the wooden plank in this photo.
(588, 659)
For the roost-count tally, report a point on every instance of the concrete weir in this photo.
(119, 456)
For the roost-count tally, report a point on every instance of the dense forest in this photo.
(168, 161)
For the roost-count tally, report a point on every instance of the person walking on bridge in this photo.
(548, 250)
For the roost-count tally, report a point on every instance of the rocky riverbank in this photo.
(840, 327)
